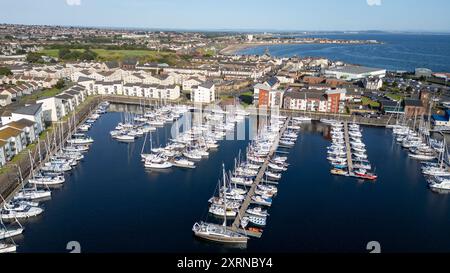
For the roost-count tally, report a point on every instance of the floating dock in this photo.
(236, 226)
(349, 149)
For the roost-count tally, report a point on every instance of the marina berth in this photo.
(245, 186)
(48, 171)
(347, 154)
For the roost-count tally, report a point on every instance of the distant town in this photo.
(46, 72)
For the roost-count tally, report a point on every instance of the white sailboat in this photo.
(219, 233)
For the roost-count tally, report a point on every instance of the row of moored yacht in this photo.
(432, 153)
(338, 155)
(137, 126)
(192, 145)
(49, 173)
(234, 188)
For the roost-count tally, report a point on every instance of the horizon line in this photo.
(231, 29)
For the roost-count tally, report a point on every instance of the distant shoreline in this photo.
(234, 48)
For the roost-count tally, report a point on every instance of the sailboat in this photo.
(30, 193)
(8, 248)
(219, 233)
(10, 232)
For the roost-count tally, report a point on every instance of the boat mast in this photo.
(224, 198)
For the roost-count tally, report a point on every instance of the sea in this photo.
(110, 203)
(396, 52)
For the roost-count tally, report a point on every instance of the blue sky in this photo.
(401, 15)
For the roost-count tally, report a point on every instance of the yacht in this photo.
(239, 180)
(32, 194)
(218, 210)
(262, 200)
(155, 164)
(76, 148)
(218, 233)
(183, 163)
(440, 184)
(80, 141)
(258, 211)
(8, 233)
(125, 138)
(362, 173)
(219, 202)
(7, 248)
(258, 221)
(19, 210)
(47, 180)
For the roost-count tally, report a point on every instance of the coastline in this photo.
(234, 48)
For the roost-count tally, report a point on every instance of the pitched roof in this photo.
(208, 84)
(21, 124)
(9, 132)
(84, 79)
(28, 110)
(262, 86)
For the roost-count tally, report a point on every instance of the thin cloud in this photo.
(73, 2)
(374, 3)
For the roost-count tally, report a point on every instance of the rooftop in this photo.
(21, 124)
(9, 132)
(28, 110)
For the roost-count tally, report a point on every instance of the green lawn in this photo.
(367, 101)
(119, 55)
(44, 93)
(395, 97)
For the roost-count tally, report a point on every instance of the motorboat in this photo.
(339, 172)
(362, 173)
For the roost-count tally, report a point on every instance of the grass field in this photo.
(118, 55)
(395, 97)
(44, 93)
(367, 101)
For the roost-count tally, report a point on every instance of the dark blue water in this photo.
(110, 204)
(399, 51)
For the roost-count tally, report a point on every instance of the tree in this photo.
(60, 84)
(34, 57)
(88, 55)
(63, 53)
(5, 71)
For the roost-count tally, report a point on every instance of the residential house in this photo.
(270, 98)
(373, 83)
(52, 109)
(32, 113)
(306, 100)
(3, 147)
(15, 141)
(26, 126)
(5, 99)
(67, 102)
(204, 93)
(191, 82)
